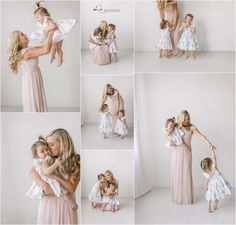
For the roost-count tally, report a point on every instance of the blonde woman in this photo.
(168, 10)
(52, 209)
(25, 58)
(100, 52)
(115, 102)
(181, 162)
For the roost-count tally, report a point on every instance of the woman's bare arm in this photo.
(40, 182)
(41, 50)
(202, 137)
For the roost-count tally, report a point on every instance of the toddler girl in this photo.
(96, 38)
(111, 198)
(44, 165)
(121, 127)
(174, 134)
(95, 195)
(165, 44)
(111, 41)
(45, 24)
(105, 121)
(188, 41)
(216, 185)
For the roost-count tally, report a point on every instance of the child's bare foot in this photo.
(74, 206)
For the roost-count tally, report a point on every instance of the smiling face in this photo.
(186, 121)
(23, 39)
(54, 145)
(39, 17)
(42, 151)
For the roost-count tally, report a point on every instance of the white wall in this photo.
(92, 90)
(209, 98)
(214, 21)
(61, 83)
(119, 162)
(19, 132)
(123, 20)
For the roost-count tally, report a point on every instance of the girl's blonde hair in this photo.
(41, 9)
(180, 118)
(206, 164)
(71, 160)
(41, 141)
(14, 51)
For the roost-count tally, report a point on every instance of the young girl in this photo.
(121, 125)
(174, 134)
(95, 195)
(216, 186)
(165, 44)
(45, 24)
(105, 121)
(188, 41)
(44, 165)
(110, 198)
(97, 38)
(111, 41)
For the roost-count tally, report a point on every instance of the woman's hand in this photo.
(172, 144)
(47, 190)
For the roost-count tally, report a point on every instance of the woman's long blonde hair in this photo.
(113, 180)
(71, 160)
(103, 25)
(105, 92)
(14, 51)
(161, 4)
(180, 118)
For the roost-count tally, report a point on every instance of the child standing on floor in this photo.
(216, 185)
(45, 166)
(165, 44)
(174, 134)
(95, 195)
(121, 127)
(188, 42)
(111, 41)
(45, 24)
(105, 121)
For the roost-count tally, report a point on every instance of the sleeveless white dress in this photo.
(165, 40)
(95, 195)
(121, 128)
(105, 122)
(64, 26)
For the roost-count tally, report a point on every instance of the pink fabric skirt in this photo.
(181, 175)
(101, 55)
(55, 210)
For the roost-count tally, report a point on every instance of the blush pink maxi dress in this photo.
(55, 210)
(181, 171)
(101, 55)
(33, 94)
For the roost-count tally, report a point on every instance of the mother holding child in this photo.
(103, 44)
(104, 194)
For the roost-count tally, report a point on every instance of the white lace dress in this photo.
(111, 41)
(95, 195)
(64, 26)
(110, 200)
(176, 137)
(188, 40)
(165, 40)
(105, 122)
(35, 191)
(120, 127)
(217, 187)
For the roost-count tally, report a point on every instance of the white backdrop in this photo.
(123, 20)
(61, 84)
(214, 33)
(19, 132)
(209, 98)
(121, 164)
(91, 95)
